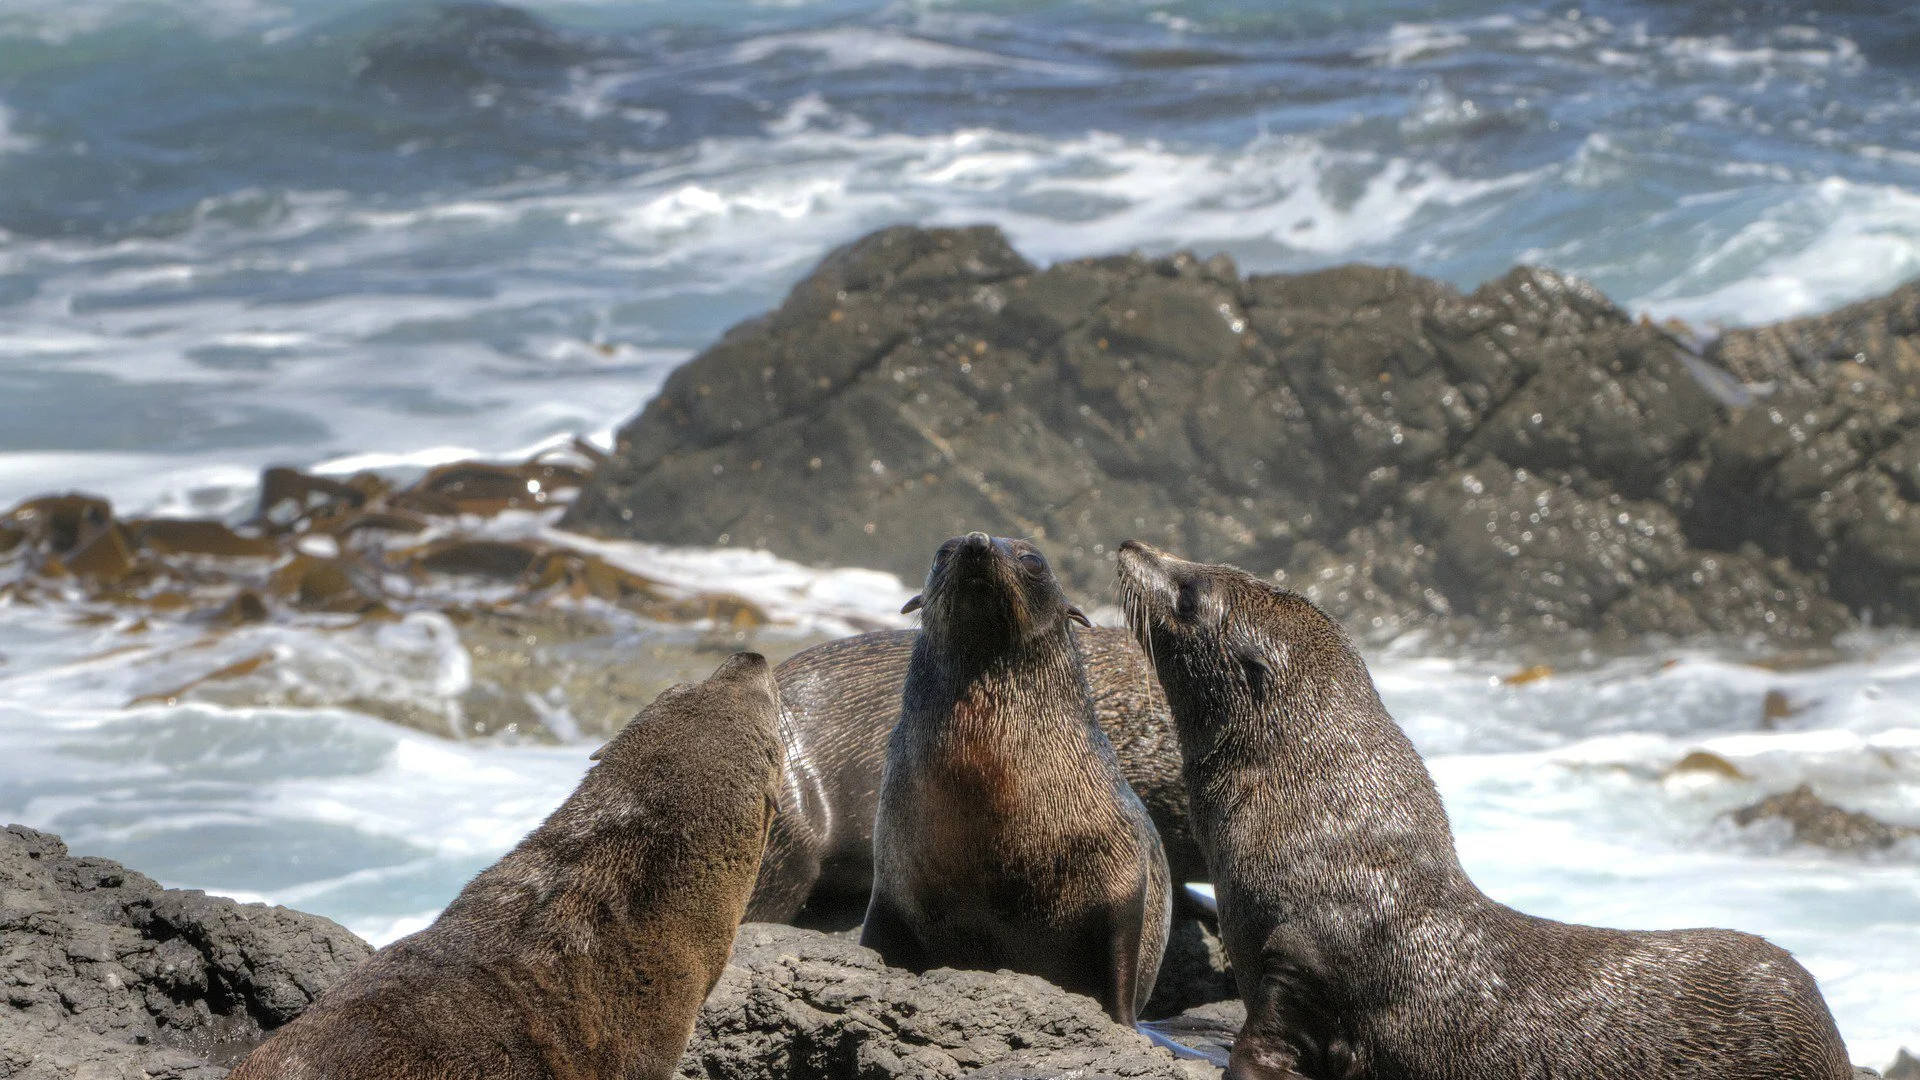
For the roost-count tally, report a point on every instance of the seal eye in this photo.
(942, 555)
(1034, 562)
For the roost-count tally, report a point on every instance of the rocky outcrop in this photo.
(1525, 457)
(107, 975)
(550, 630)
(802, 1005)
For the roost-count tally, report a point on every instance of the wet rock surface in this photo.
(1813, 820)
(487, 622)
(1193, 971)
(107, 975)
(802, 1005)
(1521, 458)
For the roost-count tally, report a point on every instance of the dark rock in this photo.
(1905, 1067)
(324, 584)
(289, 498)
(1816, 821)
(802, 1005)
(172, 536)
(1329, 427)
(60, 523)
(1883, 332)
(486, 558)
(1193, 972)
(108, 975)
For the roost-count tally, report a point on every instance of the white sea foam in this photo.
(1818, 246)
(851, 48)
(60, 20)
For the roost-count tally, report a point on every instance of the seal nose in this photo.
(978, 542)
(1142, 565)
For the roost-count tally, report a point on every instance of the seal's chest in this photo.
(974, 789)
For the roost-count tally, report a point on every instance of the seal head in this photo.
(985, 592)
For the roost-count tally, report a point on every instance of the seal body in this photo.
(839, 703)
(1359, 944)
(588, 949)
(1006, 834)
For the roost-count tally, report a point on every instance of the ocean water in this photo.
(383, 233)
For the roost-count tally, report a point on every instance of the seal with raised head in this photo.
(1007, 836)
(588, 949)
(1359, 944)
(839, 702)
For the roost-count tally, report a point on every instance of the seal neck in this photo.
(1007, 687)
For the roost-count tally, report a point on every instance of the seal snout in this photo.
(748, 669)
(976, 561)
(742, 665)
(1143, 570)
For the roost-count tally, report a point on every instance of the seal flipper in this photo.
(1293, 1020)
(886, 933)
(1124, 992)
(1259, 1058)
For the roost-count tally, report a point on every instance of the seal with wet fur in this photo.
(1359, 944)
(588, 949)
(1007, 836)
(839, 702)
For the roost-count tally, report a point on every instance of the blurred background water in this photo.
(239, 232)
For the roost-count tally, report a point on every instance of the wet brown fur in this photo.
(840, 701)
(1359, 944)
(1006, 835)
(584, 953)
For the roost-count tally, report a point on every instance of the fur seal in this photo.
(840, 701)
(588, 949)
(1006, 834)
(1359, 944)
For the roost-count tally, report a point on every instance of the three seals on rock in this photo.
(840, 702)
(1006, 834)
(1359, 944)
(588, 949)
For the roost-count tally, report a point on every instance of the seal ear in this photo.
(595, 756)
(911, 606)
(1255, 668)
(1079, 616)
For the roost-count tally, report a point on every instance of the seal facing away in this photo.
(838, 704)
(587, 950)
(1007, 836)
(1359, 945)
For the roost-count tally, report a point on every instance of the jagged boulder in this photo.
(1812, 820)
(802, 1005)
(107, 975)
(1524, 457)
